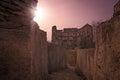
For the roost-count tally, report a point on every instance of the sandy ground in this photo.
(67, 74)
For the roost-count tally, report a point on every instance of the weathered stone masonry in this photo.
(39, 53)
(104, 64)
(23, 47)
(85, 62)
(24, 52)
(108, 48)
(70, 38)
(57, 59)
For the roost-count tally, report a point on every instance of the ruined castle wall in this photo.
(23, 55)
(108, 50)
(15, 55)
(85, 62)
(39, 53)
(57, 59)
(20, 57)
(23, 46)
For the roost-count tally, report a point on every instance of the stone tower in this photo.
(54, 28)
(117, 9)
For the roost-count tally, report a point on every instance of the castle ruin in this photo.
(26, 55)
(71, 38)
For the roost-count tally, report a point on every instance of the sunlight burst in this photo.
(39, 13)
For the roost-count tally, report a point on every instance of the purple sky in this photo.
(74, 13)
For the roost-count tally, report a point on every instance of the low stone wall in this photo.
(57, 59)
(71, 57)
(85, 62)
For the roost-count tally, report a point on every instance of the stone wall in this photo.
(85, 62)
(17, 11)
(57, 59)
(71, 57)
(105, 63)
(15, 55)
(117, 9)
(23, 47)
(23, 54)
(108, 50)
(39, 53)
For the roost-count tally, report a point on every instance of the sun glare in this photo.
(39, 13)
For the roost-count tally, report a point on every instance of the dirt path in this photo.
(67, 74)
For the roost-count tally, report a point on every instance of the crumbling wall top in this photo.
(11, 10)
(117, 9)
